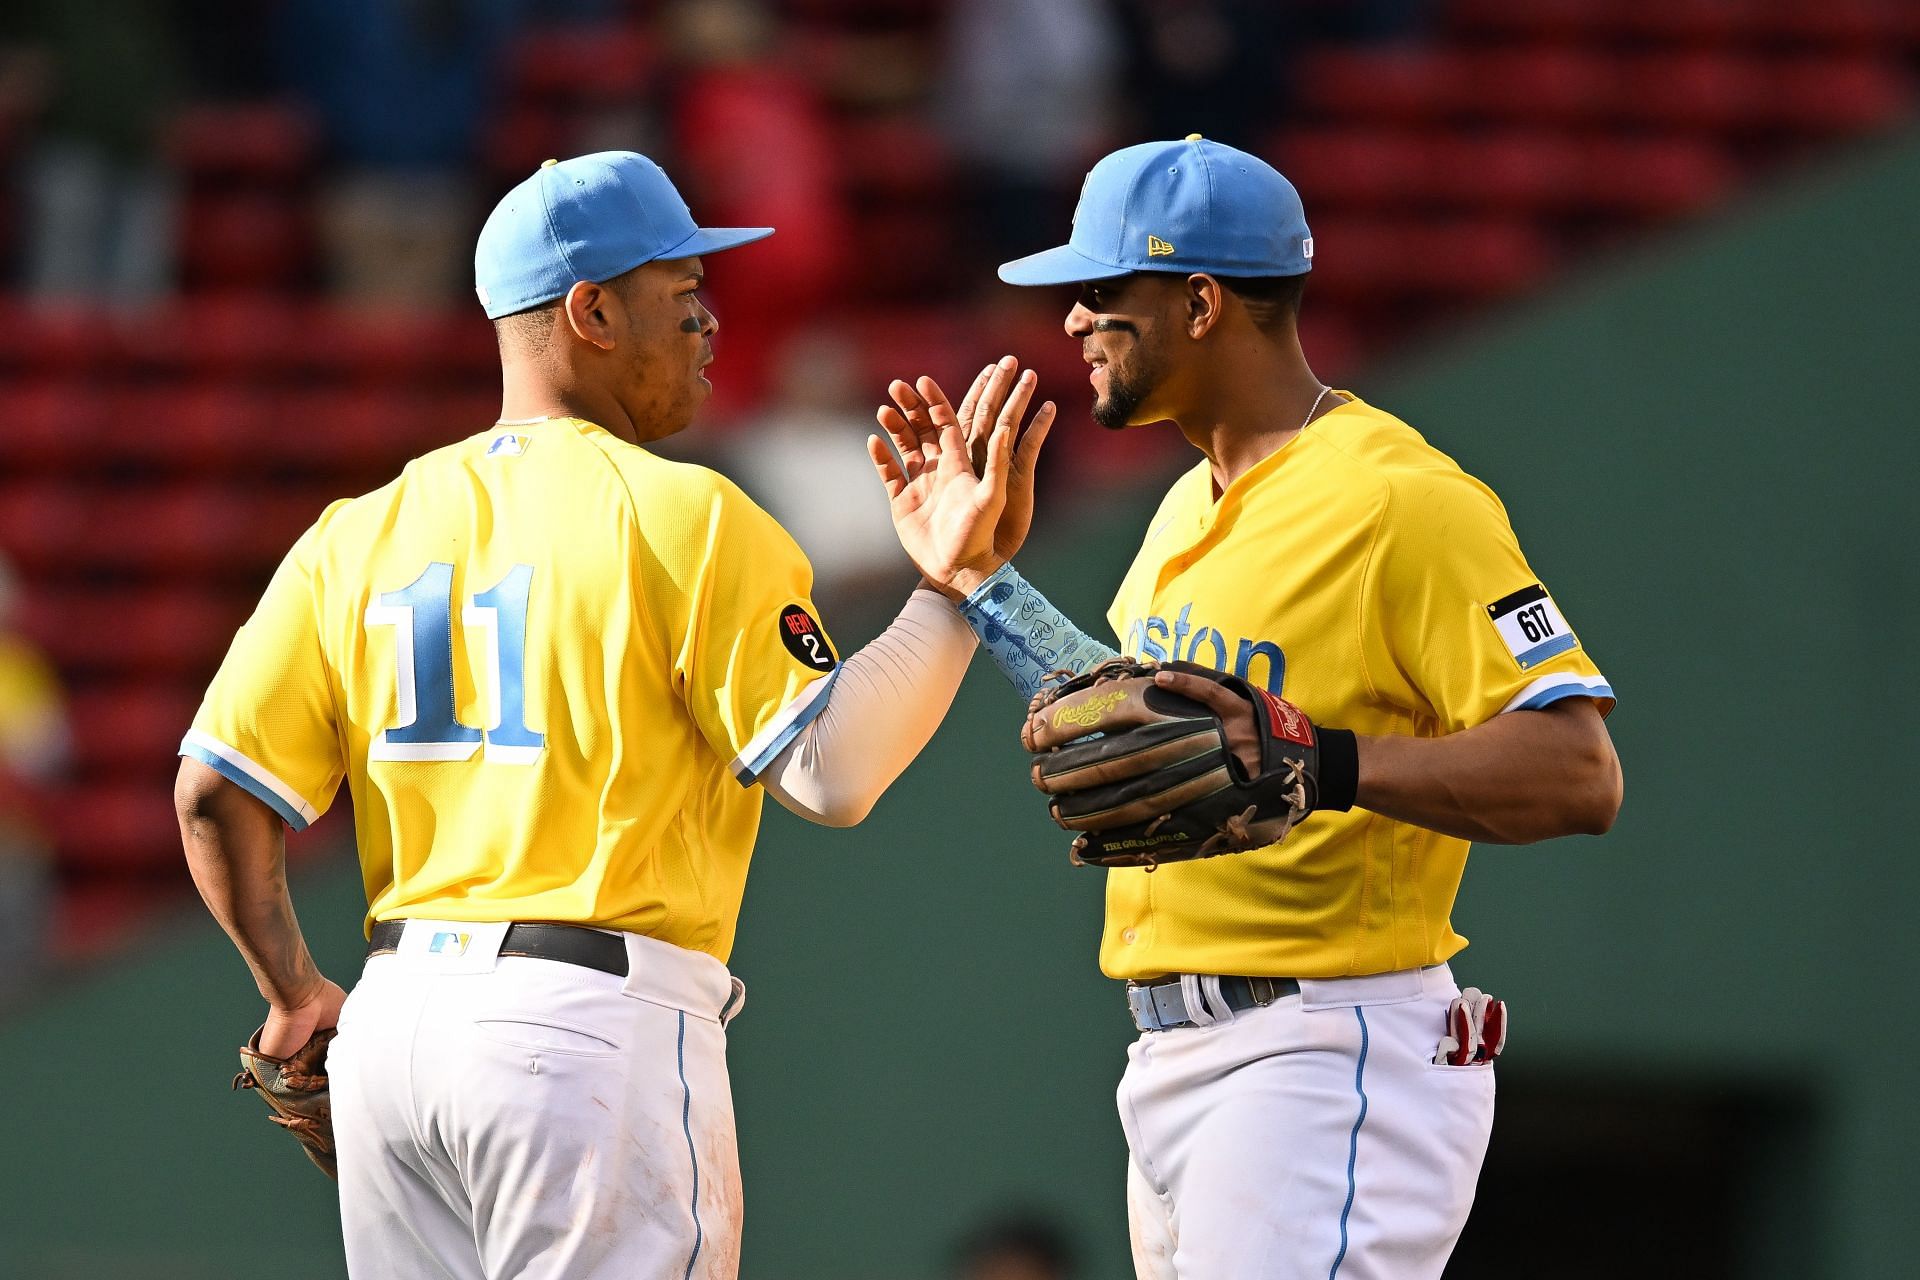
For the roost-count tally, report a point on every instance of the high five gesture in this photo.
(959, 523)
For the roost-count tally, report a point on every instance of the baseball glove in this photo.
(1146, 775)
(296, 1089)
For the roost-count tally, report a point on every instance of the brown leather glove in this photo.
(1146, 775)
(296, 1089)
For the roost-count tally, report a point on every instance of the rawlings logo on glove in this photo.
(1148, 775)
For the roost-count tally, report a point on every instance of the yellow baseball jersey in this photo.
(1362, 575)
(550, 666)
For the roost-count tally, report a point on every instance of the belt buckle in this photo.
(1149, 1001)
(1140, 1005)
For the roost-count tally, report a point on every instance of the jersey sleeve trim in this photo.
(250, 776)
(1550, 689)
(781, 730)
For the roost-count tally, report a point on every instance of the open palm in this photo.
(951, 518)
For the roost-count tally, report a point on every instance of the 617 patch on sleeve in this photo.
(805, 639)
(1530, 626)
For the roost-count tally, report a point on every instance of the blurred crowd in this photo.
(411, 102)
(182, 179)
(236, 236)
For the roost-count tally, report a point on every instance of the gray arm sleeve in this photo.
(885, 704)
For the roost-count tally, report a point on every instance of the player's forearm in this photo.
(1025, 635)
(885, 704)
(1521, 777)
(236, 852)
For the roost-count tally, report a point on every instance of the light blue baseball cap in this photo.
(1191, 206)
(589, 218)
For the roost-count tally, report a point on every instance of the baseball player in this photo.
(1311, 1094)
(555, 672)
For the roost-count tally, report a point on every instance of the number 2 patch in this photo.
(805, 640)
(1530, 626)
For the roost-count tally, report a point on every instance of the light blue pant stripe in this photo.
(686, 1127)
(1353, 1140)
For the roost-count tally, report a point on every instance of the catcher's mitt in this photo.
(296, 1089)
(1146, 776)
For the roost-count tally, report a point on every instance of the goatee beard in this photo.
(1115, 409)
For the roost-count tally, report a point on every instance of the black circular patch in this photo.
(805, 639)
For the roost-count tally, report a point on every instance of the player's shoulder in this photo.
(1379, 450)
(674, 490)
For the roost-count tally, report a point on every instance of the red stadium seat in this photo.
(1538, 86)
(1365, 167)
(523, 136)
(129, 727)
(897, 157)
(595, 64)
(259, 336)
(1866, 26)
(1527, 173)
(1460, 260)
(386, 347)
(1546, 19)
(51, 425)
(1652, 176)
(1708, 91)
(1835, 95)
(246, 240)
(116, 827)
(1393, 85)
(189, 529)
(101, 914)
(121, 633)
(42, 339)
(40, 521)
(199, 428)
(260, 142)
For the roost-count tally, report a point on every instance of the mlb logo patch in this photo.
(508, 445)
(449, 944)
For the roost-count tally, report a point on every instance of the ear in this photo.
(1205, 302)
(592, 313)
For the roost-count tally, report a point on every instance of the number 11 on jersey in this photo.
(421, 615)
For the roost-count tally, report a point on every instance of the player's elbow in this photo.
(842, 811)
(196, 794)
(1596, 790)
(207, 803)
(823, 806)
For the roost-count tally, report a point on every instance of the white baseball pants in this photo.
(507, 1117)
(1312, 1139)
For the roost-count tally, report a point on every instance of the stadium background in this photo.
(1648, 268)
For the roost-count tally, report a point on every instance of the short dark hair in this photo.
(1272, 301)
(527, 329)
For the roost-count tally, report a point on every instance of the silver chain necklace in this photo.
(1305, 422)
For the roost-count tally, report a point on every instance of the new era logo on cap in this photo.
(1158, 248)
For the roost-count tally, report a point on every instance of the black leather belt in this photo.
(569, 944)
(1161, 1005)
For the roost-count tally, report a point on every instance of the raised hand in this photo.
(960, 520)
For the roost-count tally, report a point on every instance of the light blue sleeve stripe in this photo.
(1559, 691)
(246, 782)
(1027, 638)
(1541, 652)
(748, 771)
